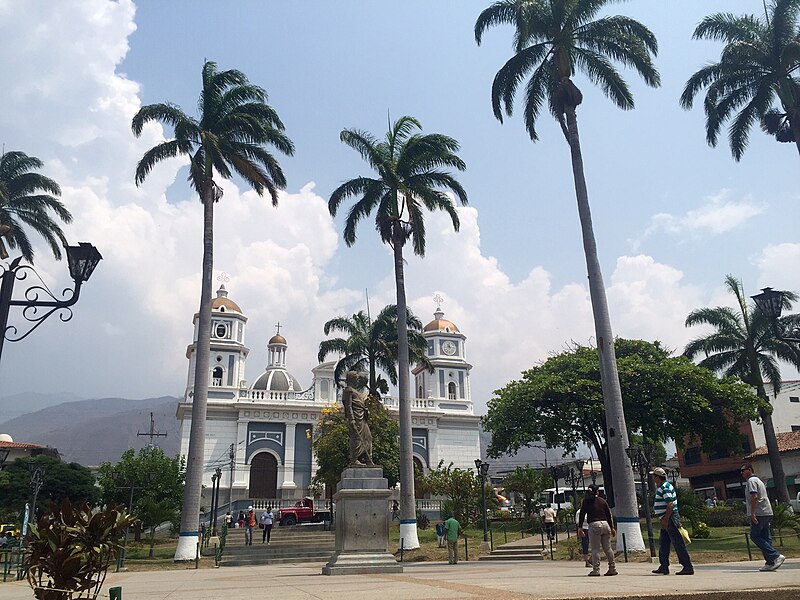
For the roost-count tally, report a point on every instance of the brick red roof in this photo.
(788, 441)
(19, 445)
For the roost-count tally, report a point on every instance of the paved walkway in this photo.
(468, 581)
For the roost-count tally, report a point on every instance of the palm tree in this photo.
(27, 197)
(758, 66)
(743, 345)
(412, 172)
(235, 126)
(554, 39)
(372, 345)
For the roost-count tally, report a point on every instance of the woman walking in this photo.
(601, 529)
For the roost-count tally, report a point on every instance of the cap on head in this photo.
(249, 508)
(659, 472)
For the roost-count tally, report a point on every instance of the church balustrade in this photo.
(432, 404)
(277, 397)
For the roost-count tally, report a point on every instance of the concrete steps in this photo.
(294, 544)
(516, 551)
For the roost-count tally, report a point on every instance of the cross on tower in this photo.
(223, 278)
(438, 299)
(278, 327)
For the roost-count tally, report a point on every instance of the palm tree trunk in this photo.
(617, 431)
(408, 505)
(775, 462)
(190, 513)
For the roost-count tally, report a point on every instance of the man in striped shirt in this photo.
(666, 507)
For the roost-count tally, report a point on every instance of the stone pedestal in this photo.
(362, 524)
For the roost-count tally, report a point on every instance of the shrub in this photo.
(70, 550)
(572, 546)
(423, 522)
(724, 516)
(701, 531)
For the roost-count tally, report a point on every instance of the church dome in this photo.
(4, 437)
(441, 324)
(277, 380)
(277, 339)
(222, 302)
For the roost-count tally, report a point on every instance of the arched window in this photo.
(451, 390)
(216, 377)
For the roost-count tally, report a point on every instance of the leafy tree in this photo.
(372, 345)
(552, 41)
(28, 198)
(757, 68)
(331, 443)
(528, 483)
(461, 487)
(412, 172)
(743, 345)
(61, 481)
(560, 402)
(157, 481)
(235, 128)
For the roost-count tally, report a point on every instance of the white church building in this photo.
(259, 435)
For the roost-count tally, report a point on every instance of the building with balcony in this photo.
(265, 429)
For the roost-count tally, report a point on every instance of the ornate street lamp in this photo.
(770, 302)
(640, 459)
(38, 301)
(483, 470)
(574, 476)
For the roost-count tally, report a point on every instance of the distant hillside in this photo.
(92, 431)
(19, 404)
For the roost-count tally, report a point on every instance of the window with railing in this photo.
(216, 376)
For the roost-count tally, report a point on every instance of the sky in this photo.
(672, 216)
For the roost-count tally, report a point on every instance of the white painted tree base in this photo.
(187, 548)
(633, 537)
(408, 533)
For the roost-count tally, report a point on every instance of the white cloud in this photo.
(717, 214)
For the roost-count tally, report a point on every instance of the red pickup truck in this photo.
(302, 512)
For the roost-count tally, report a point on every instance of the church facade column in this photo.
(288, 486)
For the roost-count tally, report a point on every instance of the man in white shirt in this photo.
(266, 522)
(759, 512)
(549, 518)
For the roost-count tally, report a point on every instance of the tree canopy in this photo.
(528, 483)
(462, 490)
(560, 402)
(61, 481)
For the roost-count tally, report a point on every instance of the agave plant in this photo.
(71, 548)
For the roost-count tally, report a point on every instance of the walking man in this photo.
(759, 513)
(549, 518)
(666, 507)
(453, 528)
(249, 524)
(596, 512)
(266, 522)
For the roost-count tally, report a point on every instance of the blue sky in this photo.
(672, 216)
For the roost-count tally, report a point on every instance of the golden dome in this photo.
(277, 339)
(223, 302)
(441, 324)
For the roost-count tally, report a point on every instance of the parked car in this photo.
(302, 512)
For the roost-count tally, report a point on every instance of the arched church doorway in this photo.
(264, 476)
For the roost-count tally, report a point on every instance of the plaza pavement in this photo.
(467, 580)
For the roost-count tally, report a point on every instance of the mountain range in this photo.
(91, 431)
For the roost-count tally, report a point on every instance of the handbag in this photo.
(685, 534)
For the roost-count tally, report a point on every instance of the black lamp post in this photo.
(574, 475)
(640, 459)
(215, 481)
(39, 302)
(770, 302)
(483, 470)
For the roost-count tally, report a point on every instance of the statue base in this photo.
(362, 524)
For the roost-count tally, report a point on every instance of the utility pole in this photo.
(152, 433)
